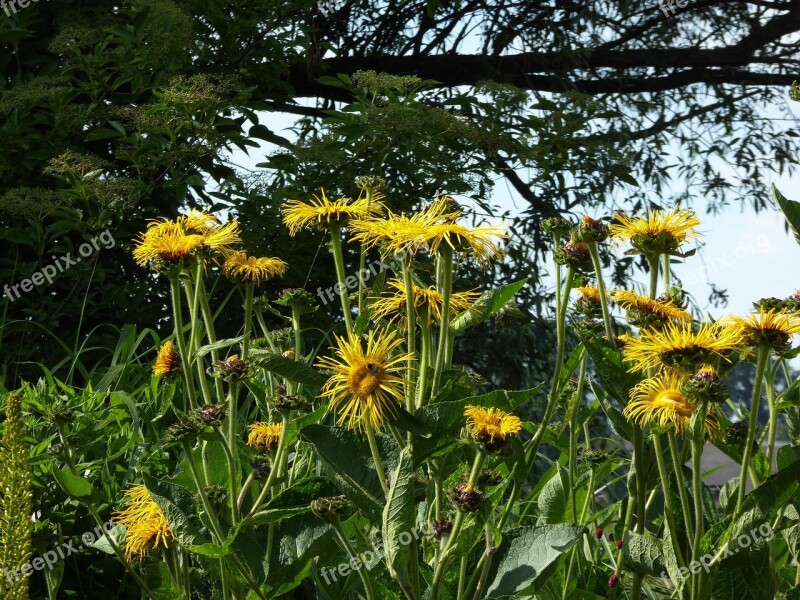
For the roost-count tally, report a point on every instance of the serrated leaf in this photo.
(487, 305)
(180, 509)
(643, 554)
(398, 518)
(525, 555)
(350, 462)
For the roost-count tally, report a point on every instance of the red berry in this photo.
(598, 533)
(619, 544)
(613, 581)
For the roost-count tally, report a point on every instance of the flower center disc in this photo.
(677, 402)
(365, 380)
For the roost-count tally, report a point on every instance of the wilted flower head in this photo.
(705, 386)
(232, 368)
(575, 255)
(591, 230)
(210, 414)
(466, 497)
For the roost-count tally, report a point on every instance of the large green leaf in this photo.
(489, 304)
(180, 509)
(398, 519)
(643, 553)
(349, 460)
(294, 500)
(758, 510)
(525, 555)
(298, 372)
(791, 209)
(77, 487)
(610, 369)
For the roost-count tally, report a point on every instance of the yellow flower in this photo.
(365, 385)
(167, 362)
(589, 294)
(394, 233)
(661, 231)
(146, 528)
(659, 400)
(170, 241)
(321, 212)
(428, 298)
(681, 347)
(481, 242)
(264, 436)
(770, 328)
(242, 268)
(489, 425)
(642, 306)
(430, 229)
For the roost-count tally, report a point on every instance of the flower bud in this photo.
(232, 369)
(441, 527)
(590, 230)
(331, 507)
(618, 545)
(736, 434)
(705, 386)
(211, 415)
(598, 533)
(613, 581)
(183, 431)
(557, 226)
(575, 255)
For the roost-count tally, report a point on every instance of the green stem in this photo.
(177, 314)
(773, 414)
(362, 262)
(669, 513)
(698, 441)
(763, 356)
(422, 383)
(411, 328)
(684, 496)
(338, 259)
(444, 557)
(298, 345)
(654, 262)
(601, 288)
(376, 456)
(274, 472)
(446, 257)
(666, 273)
(208, 319)
(351, 553)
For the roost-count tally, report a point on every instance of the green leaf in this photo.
(77, 487)
(179, 508)
(610, 369)
(117, 533)
(291, 369)
(349, 460)
(791, 209)
(487, 305)
(407, 422)
(643, 554)
(525, 555)
(758, 511)
(398, 518)
(219, 345)
(294, 500)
